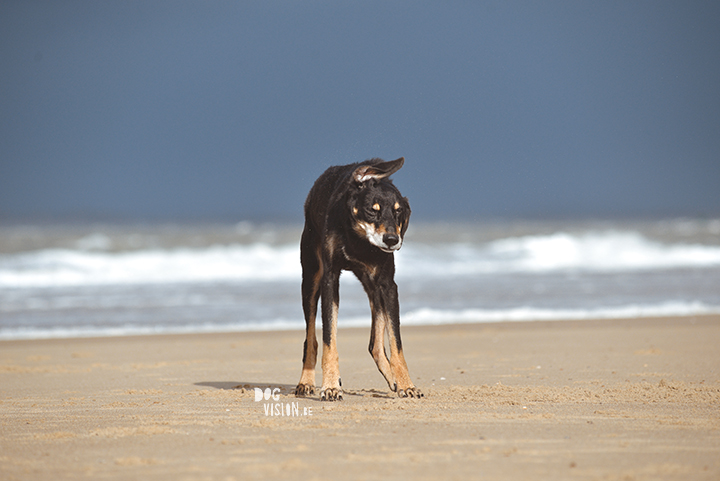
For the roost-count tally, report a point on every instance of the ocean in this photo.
(59, 281)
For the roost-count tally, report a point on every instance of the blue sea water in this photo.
(103, 280)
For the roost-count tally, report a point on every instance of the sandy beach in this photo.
(609, 399)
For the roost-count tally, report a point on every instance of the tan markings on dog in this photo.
(397, 205)
(330, 367)
(355, 210)
(361, 228)
(330, 245)
(373, 234)
(379, 325)
(331, 389)
(371, 270)
(398, 366)
(307, 378)
(376, 206)
(317, 278)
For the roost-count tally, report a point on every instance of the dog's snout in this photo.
(391, 239)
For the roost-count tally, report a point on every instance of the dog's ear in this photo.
(377, 171)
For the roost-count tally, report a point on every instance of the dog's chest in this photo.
(353, 263)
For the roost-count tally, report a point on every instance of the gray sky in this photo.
(171, 110)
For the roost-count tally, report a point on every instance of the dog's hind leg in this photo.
(312, 275)
(331, 388)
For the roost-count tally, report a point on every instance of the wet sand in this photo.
(627, 399)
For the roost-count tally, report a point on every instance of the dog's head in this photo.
(379, 212)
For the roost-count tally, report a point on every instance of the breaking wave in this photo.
(590, 252)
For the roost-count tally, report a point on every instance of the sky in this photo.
(228, 111)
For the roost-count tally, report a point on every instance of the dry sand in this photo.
(621, 399)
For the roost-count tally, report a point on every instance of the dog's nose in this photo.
(391, 239)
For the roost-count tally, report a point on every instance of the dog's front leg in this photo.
(331, 386)
(377, 345)
(379, 324)
(398, 366)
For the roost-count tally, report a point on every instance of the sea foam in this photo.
(63, 267)
(608, 251)
(590, 252)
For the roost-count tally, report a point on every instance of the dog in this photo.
(355, 219)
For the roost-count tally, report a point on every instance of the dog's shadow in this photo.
(248, 386)
(285, 389)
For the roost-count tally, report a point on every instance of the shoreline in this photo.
(592, 399)
(353, 323)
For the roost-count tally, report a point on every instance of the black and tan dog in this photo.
(355, 219)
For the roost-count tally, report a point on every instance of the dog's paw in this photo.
(331, 394)
(304, 389)
(410, 392)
